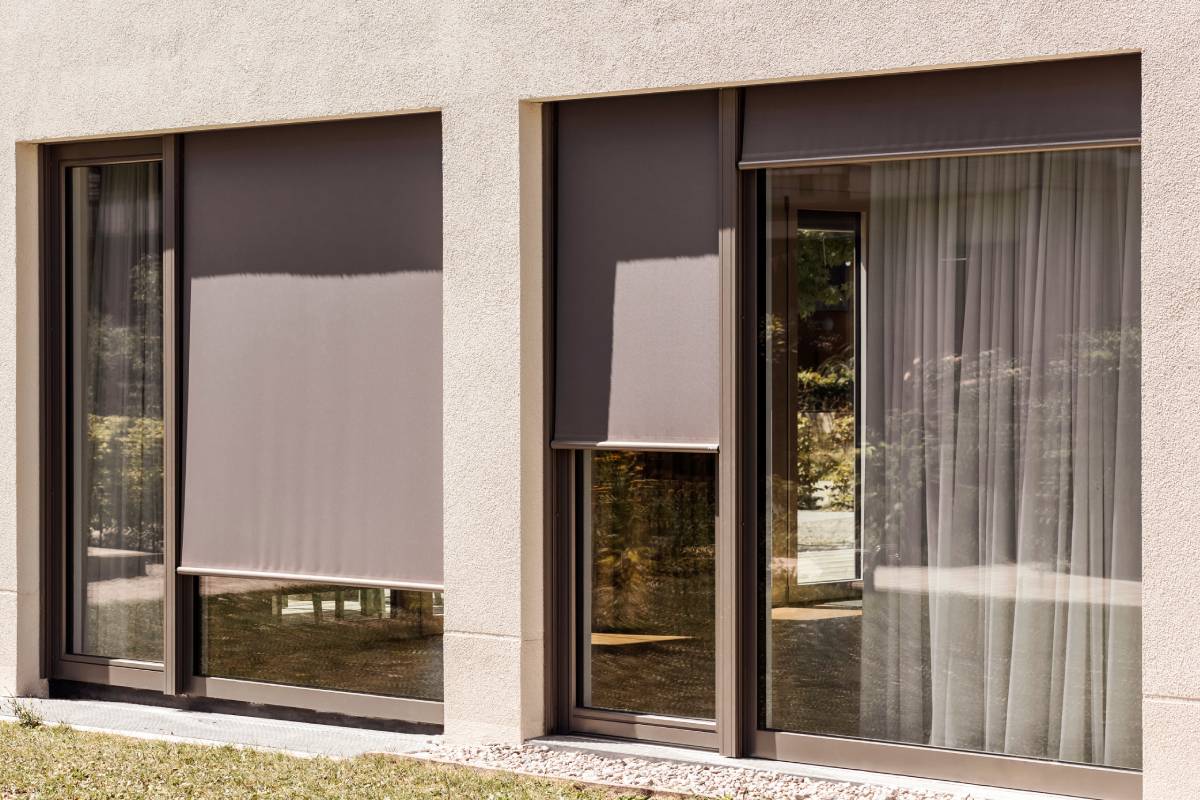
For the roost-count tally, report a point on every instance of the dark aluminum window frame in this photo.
(736, 731)
(56, 413)
(177, 674)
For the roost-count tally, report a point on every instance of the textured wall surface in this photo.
(109, 67)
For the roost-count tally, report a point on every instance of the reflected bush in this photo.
(379, 641)
(123, 386)
(825, 430)
(653, 528)
(125, 482)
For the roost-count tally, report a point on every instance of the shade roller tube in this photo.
(636, 357)
(312, 351)
(1076, 102)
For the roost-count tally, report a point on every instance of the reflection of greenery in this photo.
(126, 477)
(825, 461)
(653, 559)
(818, 254)
(830, 388)
(811, 466)
(124, 469)
(390, 645)
(652, 519)
(124, 346)
(842, 477)
(825, 446)
(824, 280)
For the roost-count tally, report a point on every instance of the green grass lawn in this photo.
(59, 762)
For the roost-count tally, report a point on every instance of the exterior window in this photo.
(115, 540)
(647, 599)
(229, 460)
(312, 461)
(371, 640)
(951, 522)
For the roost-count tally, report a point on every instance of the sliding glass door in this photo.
(949, 525)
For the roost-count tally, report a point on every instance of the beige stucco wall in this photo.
(107, 67)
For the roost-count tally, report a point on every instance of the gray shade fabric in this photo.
(637, 271)
(312, 350)
(1013, 106)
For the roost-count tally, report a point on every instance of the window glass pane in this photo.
(115, 553)
(978, 427)
(377, 641)
(647, 569)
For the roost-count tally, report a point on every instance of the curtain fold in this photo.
(1001, 479)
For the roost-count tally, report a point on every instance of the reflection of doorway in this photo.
(826, 257)
(811, 581)
(813, 304)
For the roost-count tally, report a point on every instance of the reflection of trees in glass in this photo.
(822, 270)
(825, 460)
(124, 391)
(652, 535)
(824, 281)
(126, 458)
(344, 638)
(125, 344)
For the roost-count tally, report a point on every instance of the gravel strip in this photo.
(668, 776)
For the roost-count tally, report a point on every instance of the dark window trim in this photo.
(731, 464)
(556, 465)
(176, 600)
(55, 418)
(108, 151)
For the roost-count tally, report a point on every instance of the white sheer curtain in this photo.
(1001, 481)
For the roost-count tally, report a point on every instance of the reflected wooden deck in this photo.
(621, 639)
(811, 614)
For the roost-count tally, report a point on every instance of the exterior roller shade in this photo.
(1074, 102)
(636, 358)
(312, 351)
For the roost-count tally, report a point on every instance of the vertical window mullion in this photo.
(176, 622)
